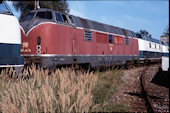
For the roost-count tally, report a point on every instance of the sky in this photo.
(151, 15)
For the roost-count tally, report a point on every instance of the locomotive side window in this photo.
(59, 17)
(127, 41)
(45, 15)
(110, 39)
(118, 40)
(71, 19)
(65, 19)
(87, 35)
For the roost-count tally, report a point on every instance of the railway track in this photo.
(156, 96)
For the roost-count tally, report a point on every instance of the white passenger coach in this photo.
(10, 39)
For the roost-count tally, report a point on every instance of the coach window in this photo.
(59, 17)
(87, 35)
(65, 19)
(149, 45)
(127, 41)
(110, 39)
(45, 15)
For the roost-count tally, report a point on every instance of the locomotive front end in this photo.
(37, 28)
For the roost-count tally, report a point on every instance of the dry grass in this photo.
(62, 91)
(35, 91)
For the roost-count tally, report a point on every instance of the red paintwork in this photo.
(63, 39)
(101, 38)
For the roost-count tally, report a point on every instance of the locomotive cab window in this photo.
(110, 39)
(44, 15)
(3, 8)
(65, 19)
(28, 16)
(59, 17)
(87, 35)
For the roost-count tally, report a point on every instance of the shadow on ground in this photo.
(161, 78)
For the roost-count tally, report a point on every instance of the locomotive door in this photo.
(75, 49)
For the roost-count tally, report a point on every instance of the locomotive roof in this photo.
(90, 24)
(85, 23)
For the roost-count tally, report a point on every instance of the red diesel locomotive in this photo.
(50, 38)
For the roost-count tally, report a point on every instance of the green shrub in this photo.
(105, 88)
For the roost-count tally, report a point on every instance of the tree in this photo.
(146, 33)
(166, 31)
(25, 6)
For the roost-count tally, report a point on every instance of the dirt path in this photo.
(129, 92)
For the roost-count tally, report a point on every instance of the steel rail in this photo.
(150, 107)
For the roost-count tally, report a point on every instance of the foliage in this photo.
(105, 88)
(25, 6)
(145, 32)
(166, 31)
(111, 108)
